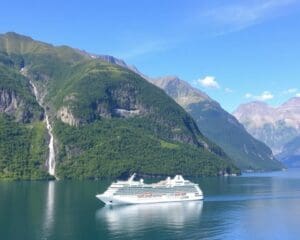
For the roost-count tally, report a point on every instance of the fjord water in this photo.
(254, 206)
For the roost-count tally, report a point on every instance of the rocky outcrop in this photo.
(8, 101)
(66, 116)
(126, 113)
(121, 102)
(13, 105)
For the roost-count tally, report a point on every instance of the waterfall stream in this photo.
(51, 158)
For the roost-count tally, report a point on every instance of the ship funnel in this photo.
(131, 177)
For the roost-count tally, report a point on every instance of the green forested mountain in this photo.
(220, 126)
(107, 120)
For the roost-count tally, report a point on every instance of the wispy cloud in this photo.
(238, 16)
(228, 90)
(297, 95)
(209, 82)
(248, 95)
(264, 96)
(144, 48)
(227, 17)
(290, 91)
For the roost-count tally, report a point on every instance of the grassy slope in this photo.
(109, 147)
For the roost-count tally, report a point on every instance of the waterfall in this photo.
(51, 158)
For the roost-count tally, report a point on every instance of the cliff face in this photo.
(116, 103)
(106, 119)
(13, 105)
(9, 103)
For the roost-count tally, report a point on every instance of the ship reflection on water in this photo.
(132, 218)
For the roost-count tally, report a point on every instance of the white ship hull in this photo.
(119, 200)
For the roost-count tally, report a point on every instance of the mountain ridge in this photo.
(247, 152)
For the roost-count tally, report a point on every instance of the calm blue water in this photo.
(254, 206)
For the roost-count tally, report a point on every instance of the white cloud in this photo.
(264, 96)
(209, 82)
(248, 95)
(228, 90)
(297, 94)
(144, 48)
(290, 91)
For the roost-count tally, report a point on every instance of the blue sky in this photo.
(236, 51)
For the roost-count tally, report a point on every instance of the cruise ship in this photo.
(175, 189)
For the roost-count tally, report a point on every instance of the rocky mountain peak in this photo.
(255, 106)
(258, 111)
(182, 92)
(292, 103)
(17, 36)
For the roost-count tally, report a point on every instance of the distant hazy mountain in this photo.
(277, 127)
(220, 126)
(274, 126)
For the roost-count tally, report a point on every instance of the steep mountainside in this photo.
(22, 133)
(274, 126)
(106, 119)
(290, 154)
(220, 126)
